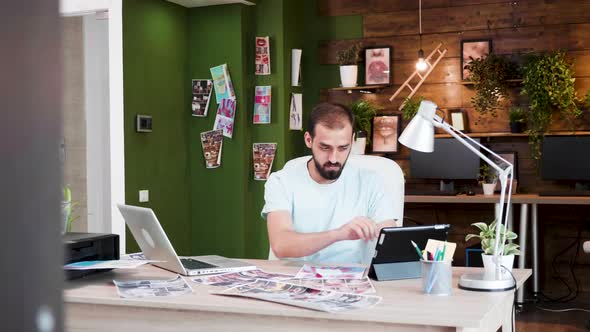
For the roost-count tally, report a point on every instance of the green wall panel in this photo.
(154, 62)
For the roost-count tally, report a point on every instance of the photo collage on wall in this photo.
(262, 104)
(201, 90)
(212, 143)
(262, 62)
(264, 155)
(296, 112)
(224, 119)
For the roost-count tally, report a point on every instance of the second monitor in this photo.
(450, 160)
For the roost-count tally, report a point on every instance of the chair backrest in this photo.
(393, 180)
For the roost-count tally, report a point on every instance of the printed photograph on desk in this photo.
(296, 112)
(300, 296)
(330, 272)
(264, 155)
(262, 103)
(201, 96)
(233, 279)
(385, 133)
(152, 288)
(262, 56)
(212, 143)
(356, 286)
(222, 84)
(224, 119)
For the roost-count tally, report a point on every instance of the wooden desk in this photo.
(524, 200)
(92, 304)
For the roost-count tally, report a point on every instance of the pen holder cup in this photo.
(437, 277)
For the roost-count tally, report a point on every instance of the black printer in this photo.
(80, 247)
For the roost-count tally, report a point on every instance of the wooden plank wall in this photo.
(516, 28)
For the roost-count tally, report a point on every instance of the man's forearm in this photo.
(294, 244)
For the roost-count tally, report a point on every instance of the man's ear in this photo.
(307, 138)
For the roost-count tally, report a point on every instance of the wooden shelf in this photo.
(553, 133)
(515, 81)
(367, 88)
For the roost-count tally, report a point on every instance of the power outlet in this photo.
(144, 196)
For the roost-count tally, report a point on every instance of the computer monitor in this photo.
(566, 158)
(450, 160)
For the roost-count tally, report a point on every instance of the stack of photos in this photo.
(233, 279)
(301, 296)
(201, 96)
(296, 112)
(264, 155)
(224, 88)
(330, 272)
(152, 288)
(262, 98)
(262, 56)
(224, 119)
(356, 286)
(212, 142)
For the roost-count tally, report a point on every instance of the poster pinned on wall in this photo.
(264, 155)
(296, 112)
(262, 62)
(212, 143)
(296, 67)
(224, 88)
(262, 104)
(201, 96)
(224, 119)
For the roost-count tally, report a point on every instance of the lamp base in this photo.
(481, 282)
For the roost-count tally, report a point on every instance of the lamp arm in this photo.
(504, 174)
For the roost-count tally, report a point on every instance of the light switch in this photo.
(144, 196)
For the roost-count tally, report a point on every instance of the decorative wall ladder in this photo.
(439, 55)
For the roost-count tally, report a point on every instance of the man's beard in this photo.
(327, 174)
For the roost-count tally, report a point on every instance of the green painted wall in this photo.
(155, 53)
(215, 211)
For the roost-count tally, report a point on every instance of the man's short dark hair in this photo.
(330, 115)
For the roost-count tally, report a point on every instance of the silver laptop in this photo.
(154, 243)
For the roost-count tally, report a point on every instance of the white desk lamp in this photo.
(419, 136)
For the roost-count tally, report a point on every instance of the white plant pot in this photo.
(359, 144)
(348, 76)
(489, 266)
(488, 188)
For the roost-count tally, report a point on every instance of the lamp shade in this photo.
(419, 133)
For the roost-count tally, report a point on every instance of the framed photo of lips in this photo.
(378, 65)
(385, 134)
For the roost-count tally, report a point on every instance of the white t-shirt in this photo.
(318, 207)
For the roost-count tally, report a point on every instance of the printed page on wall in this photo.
(222, 83)
(295, 67)
(262, 56)
(296, 112)
(201, 96)
(262, 103)
(264, 155)
(212, 143)
(225, 117)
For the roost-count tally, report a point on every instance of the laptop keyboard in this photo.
(193, 264)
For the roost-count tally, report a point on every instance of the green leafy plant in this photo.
(489, 75)
(487, 175)
(363, 111)
(411, 106)
(549, 83)
(68, 208)
(517, 114)
(350, 55)
(487, 236)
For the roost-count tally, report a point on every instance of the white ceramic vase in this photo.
(348, 76)
(360, 143)
(488, 188)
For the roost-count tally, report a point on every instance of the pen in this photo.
(417, 249)
(436, 254)
(430, 257)
(442, 258)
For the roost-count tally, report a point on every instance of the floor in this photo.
(533, 319)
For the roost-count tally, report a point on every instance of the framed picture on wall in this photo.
(473, 49)
(511, 157)
(458, 119)
(378, 65)
(385, 133)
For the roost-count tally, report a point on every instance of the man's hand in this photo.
(359, 228)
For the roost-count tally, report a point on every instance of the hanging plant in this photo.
(489, 75)
(549, 83)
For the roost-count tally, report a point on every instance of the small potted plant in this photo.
(67, 210)
(363, 111)
(411, 106)
(487, 177)
(517, 119)
(487, 237)
(348, 59)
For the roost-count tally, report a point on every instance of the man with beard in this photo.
(324, 210)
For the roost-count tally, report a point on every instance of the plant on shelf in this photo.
(363, 111)
(549, 83)
(411, 106)
(487, 237)
(517, 119)
(489, 75)
(348, 59)
(487, 177)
